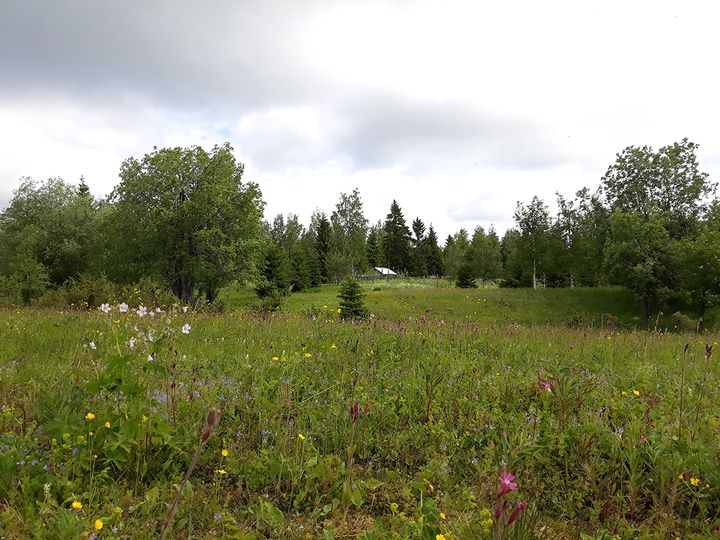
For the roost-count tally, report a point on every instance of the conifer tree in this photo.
(352, 305)
(396, 240)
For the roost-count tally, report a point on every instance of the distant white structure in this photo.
(385, 272)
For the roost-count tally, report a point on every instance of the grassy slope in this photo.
(524, 306)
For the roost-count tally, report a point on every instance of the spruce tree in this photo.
(465, 278)
(351, 300)
(396, 240)
(322, 246)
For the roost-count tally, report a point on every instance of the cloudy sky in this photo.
(455, 109)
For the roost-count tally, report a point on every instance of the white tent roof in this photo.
(385, 271)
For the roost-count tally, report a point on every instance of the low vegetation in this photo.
(473, 423)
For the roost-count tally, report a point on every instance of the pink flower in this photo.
(515, 513)
(506, 484)
(544, 384)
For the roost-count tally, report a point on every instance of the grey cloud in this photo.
(452, 136)
(208, 55)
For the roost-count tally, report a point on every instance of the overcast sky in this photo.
(455, 109)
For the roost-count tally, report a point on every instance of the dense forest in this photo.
(182, 220)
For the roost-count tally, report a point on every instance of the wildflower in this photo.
(339, 310)
(99, 524)
(506, 483)
(114, 529)
(439, 537)
(275, 358)
(544, 384)
(220, 471)
(141, 311)
(131, 343)
(122, 308)
(89, 416)
(301, 436)
(105, 308)
(515, 513)
(185, 328)
(217, 516)
(77, 505)
(442, 515)
(681, 477)
(92, 345)
(224, 452)
(624, 393)
(107, 425)
(333, 346)
(308, 355)
(695, 481)
(117, 322)
(636, 393)
(185, 309)
(144, 419)
(150, 358)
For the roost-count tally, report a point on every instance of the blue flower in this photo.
(217, 516)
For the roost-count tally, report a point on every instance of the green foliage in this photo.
(396, 240)
(349, 228)
(352, 305)
(466, 276)
(637, 256)
(666, 183)
(184, 217)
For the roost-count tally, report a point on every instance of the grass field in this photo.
(399, 427)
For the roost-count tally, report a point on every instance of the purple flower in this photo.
(515, 513)
(506, 483)
(217, 516)
(75, 450)
(114, 529)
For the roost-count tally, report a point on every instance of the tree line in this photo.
(182, 219)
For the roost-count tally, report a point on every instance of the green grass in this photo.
(449, 395)
(494, 305)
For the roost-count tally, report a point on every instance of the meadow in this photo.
(449, 415)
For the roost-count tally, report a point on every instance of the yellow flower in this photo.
(442, 515)
(301, 436)
(275, 358)
(89, 416)
(107, 424)
(224, 452)
(117, 322)
(324, 307)
(624, 393)
(98, 524)
(333, 346)
(439, 537)
(144, 418)
(636, 393)
(77, 505)
(695, 481)
(681, 477)
(308, 355)
(221, 471)
(339, 310)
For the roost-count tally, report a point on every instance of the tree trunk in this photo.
(534, 275)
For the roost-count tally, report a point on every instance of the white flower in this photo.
(105, 308)
(159, 310)
(185, 309)
(150, 358)
(141, 311)
(92, 345)
(186, 328)
(131, 343)
(123, 307)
